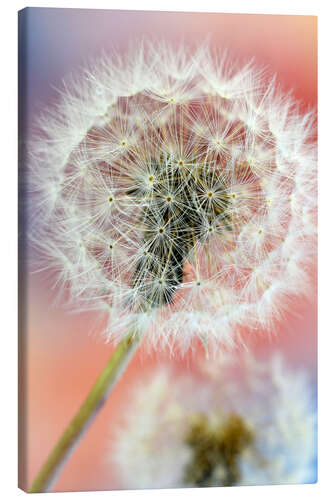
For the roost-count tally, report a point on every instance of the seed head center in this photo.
(185, 222)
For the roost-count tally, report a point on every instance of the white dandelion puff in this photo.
(161, 161)
(248, 423)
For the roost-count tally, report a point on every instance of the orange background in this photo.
(63, 357)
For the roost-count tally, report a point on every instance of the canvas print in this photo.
(167, 250)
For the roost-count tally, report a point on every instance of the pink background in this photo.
(63, 356)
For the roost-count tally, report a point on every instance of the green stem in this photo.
(87, 412)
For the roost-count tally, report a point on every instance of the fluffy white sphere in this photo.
(176, 190)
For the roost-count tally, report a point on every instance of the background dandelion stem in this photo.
(87, 412)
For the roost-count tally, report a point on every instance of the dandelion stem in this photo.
(87, 413)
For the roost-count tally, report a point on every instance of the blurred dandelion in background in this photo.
(240, 421)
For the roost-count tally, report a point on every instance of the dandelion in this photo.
(177, 187)
(240, 422)
(173, 193)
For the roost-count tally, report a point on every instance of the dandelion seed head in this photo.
(240, 421)
(165, 161)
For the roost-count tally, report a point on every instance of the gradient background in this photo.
(62, 354)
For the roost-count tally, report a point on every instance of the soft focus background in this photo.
(64, 353)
